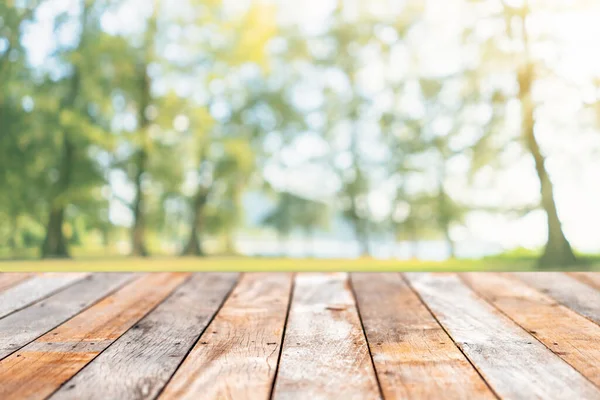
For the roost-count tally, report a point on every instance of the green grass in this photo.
(102, 259)
(242, 264)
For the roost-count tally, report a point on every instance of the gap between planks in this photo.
(236, 357)
(285, 324)
(325, 353)
(409, 346)
(41, 367)
(23, 326)
(570, 291)
(513, 362)
(319, 295)
(144, 359)
(35, 289)
(567, 334)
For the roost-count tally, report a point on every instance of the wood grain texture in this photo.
(413, 356)
(41, 367)
(589, 278)
(515, 364)
(21, 327)
(139, 363)
(325, 354)
(10, 279)
(567, 290)
(569, 335)
(34, 289)
(236, 357)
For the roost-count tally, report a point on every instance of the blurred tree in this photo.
(313, 216)
(338, 51)
(143, 139)
(448, 211)
(14, 76)
(148, 150)
(227, 130)
(76, 130)
(558, 250)
(342, 55)
(292, 211)
(144, 102)
(510, 51)
(183, 113)
(281, 218)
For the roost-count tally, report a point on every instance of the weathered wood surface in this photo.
(41, 367)
(413, 355)
(569, 335)
(325, 353)
(569, 291)
(34, 289)
(280, 336)
(8, 280)
(237, 355)
(21, 327)
(140, 362)
(590, 278)
(514, 364)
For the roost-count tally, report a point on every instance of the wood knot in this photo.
(335, 308)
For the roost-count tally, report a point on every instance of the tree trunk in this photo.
(558, 251)
(362, 237)
(106, 239)
(230, 248)
(236, 198)
(356, 189)
(310, 247)
(445, 213)
(282, 239)
(13, 232)
(415, 249)
(138, 231)
(194, 243)
(365, 249)
(449, 243)
(414, 240)
(55, 244)
(138, 246)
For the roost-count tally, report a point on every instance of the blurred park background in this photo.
(390, 129)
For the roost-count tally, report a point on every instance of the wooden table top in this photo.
(300, 336)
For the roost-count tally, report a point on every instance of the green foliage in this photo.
(293, 212)
(181, 115)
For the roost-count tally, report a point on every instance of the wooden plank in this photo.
(237, 355)
(413, 356)
(569, 335)
(10, 279)
(569, 291)
(140, 363)
(21, 327)
(35, 289)
(41, 367)
(513, 363)
(325, 353)
(589, 278)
